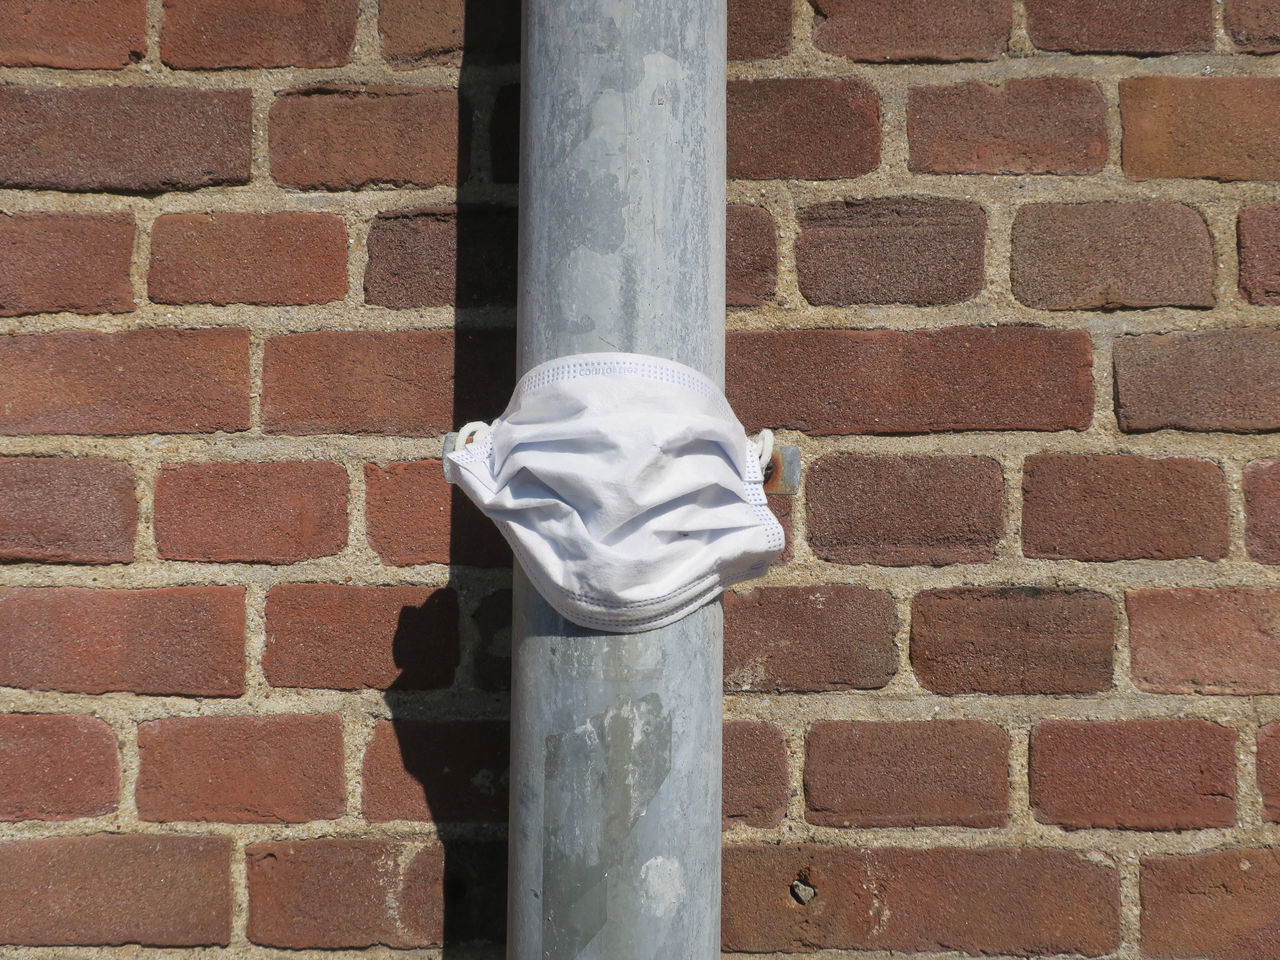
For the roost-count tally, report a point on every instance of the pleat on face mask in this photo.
(627, 488)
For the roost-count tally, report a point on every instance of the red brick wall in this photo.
(1007, 271)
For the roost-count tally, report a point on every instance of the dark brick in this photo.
(1133, 774)
(1259, 248)
(759, 29)
(327, 636)
(137, 381)
(65, 510)
(809, 129)
(1121, 26)
(1040, 125)
(893, 250)
(277, 512)
(941, 30)
(1012, 640)
(941, 772)
(900, 510)
(1024, 901)
(105, 34)
(344, 137)
(1262, 510)
(1204, 641)
(756, 785)
(265, 258)
(112, 890)
(257, 769)
(751, 274)
(132, 139)
(445, 772)
(209, 34)
(77, 262)
(446, 31)
(809, 639)
(1111, 256)
(442, 256)
(181, 641)
(57, 767)
(1254, 25)
(1100, 507)
(1202, 380)
(1221, 904)
(891, 381)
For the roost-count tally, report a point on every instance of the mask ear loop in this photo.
(763, 443)
(475, 430)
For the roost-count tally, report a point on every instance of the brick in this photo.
(57, 767)
(278, 512)
(74, 262)
(414, 517)
(890, 30)
(891, 250)
(457, 894)
(781, 506)
(1222, 904)
(263, 258)
(1121, 26)
(491, 619)
(1102, 507)
(809, 129)
(442, 256)
(344, 137)
(751, 273)
(111, 890)
(131, 139)
(759, 29)
(136, 381)
(826, 382)
(1012, 640)
(104, 35)
(1111, 256)
(64, 510)
(941, 772)
(445, 31)
(445, 772)
(174, 641)
(1042, 125)
(1203, 380)
(1218, 128)
(756, 784)
(327, 893)
(990, 901)
(1258, 230)
(1262, 510)
(1204, 641)
(211, 34)
(1269, 771)
(504, 135)
(900, 511)
(1133, 774)
(1254, 25)
(327, 636)
(399, 383)
(256, 769)
(809, 639)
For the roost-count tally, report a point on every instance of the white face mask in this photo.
(626, 487)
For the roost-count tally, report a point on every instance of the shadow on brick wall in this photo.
(454, 742)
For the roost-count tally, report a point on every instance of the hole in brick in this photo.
(802, 892)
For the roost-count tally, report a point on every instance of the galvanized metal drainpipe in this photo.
(615, 767)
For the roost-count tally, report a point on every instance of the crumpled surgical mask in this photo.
(626, 487)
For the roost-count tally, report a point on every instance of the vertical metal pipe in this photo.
(615, 768)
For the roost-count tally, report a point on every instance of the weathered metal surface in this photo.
(615, 768)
